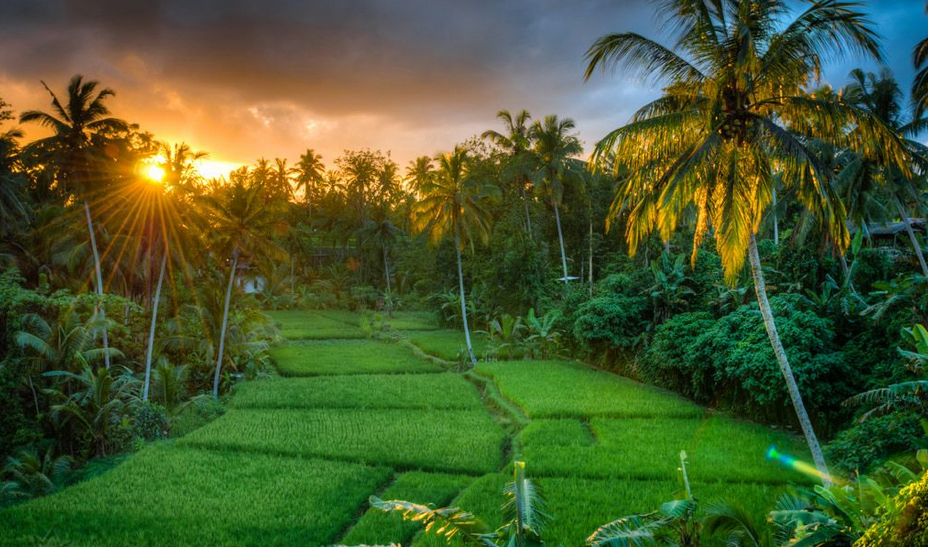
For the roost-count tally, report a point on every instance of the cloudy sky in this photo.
(246, 79)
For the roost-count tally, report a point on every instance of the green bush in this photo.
(668, 363)
(730, 362)
(869, 443)
(150, 421)
(608, 323)
(747, 370)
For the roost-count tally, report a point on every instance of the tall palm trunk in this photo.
(908, 229)
(560, 238)
(99, 308)
(776, 222)
(590, 269)
(794, 395)
(154, 323)
(386, 273)
(225, 322)
(528, 217)
(457, 249)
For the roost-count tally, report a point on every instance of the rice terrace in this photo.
(691, 313)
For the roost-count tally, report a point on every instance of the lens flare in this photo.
(797, 465)
(155, 173)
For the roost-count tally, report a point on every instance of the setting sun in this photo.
(155, 173)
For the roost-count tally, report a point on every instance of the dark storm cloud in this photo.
(413, 76)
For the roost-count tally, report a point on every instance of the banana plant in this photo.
(670, 290)
(505, 334)
(542, 337)
(840, 514)
(674, 523)
(910, 395)
(524, 507)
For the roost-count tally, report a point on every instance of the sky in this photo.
(261, 78)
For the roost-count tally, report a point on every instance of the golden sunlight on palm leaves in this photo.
(711, 144)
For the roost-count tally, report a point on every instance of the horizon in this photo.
(241, 85)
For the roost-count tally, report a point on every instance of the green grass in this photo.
(447, 344)
(166, 496)
(579, 505)
(718, 448)
(310, 325)
(427, 391)
(348, 357)
(401, 320)
(378, 528)
(555, 389)
(461, 440)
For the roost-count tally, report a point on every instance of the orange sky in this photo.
(269, 79)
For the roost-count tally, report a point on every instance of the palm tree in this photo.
(881, 96)
(418, 173)
(516, 142)
(454, 202)
(554, 148)
(712, 140)
(241, 218)
(310, 172)
(920, 85)
(383, 234)
(73, 123)
(179, 173)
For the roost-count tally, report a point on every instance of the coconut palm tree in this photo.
(74, 122)
(711, 141)
(310, 172)
(553, 149)
(383, 234)
(882, 97)
(516, 142)
(166, 218)
(454, 202)
(241, 219)
(418, 173)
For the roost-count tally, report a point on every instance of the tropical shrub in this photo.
(746, 373)
(871, 442)
(907, 524)
(612, 324)
(670, 359)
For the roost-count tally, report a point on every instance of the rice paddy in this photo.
(348, 357)
(295, 458)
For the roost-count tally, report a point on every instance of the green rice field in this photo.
(295, 458)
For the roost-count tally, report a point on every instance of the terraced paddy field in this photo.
(295, 458)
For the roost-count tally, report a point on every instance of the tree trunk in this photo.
(292, 279)
(225, 322)
(560, 238)
(590, 269)
(457, 249)
(794, 395)
(386, 273)
(915, 243)
(528, 217)
(154, 324)
(776, 222)
(99, 275)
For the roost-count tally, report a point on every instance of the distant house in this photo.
(248, 278)
(889, 231)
